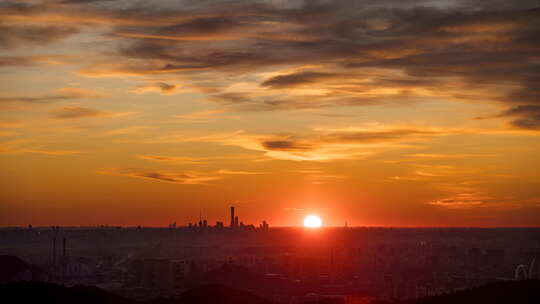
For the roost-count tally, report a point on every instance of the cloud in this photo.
(15, 36)
(72, 112)
(247, 102)
(462, 200)
(186, 178)
(55, 17)
(180, 160)
(51, 152)
(294, 79)
(424, 173)
(318, 176)
(13, 124)
(156, 87)
(333, 115)
(238, 172)
(209, 28)
(447, 155)
(7, 133)
(322, 144)
(481, 199)
(201, 115)
(174, 159)
(126, 130)
(319, 179)
(419, 52)
(61, 94)
(77, 112)
(525, 116)
(81, 1)
(286, 145)
(529, 116)
(80, 93)
(307, 54)
(17, 146)
(35, 99)
(36, 60)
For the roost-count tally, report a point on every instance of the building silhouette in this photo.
(232, 217)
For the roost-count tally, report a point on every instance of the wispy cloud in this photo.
(174, 159)
(11, 124)
(17, 146)
(319, 176)
(179, 160)
(448, 155)
(525, 116)
(155, 87)
(238, 172)
(7, 133)
(51, 152)
(126, 130)
(479, 199)
(202, 115)
(25, 35)
(322, 144)
(73, 112)
(319, 179)
(60, 94)
(328, 144)
(35, 60)
(186, 178)
(462, 200)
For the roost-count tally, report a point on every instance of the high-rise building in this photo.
(232, 217)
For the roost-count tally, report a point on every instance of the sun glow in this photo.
(312, 221)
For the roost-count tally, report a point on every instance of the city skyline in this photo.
(374, 113)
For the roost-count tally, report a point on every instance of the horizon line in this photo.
(271, 227)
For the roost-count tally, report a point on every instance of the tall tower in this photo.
(232, 216)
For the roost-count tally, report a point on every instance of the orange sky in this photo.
(373, 112)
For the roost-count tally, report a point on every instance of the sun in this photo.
(312, 221)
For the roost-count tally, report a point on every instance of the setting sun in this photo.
(312, 221)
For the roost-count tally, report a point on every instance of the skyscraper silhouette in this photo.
(232, 216)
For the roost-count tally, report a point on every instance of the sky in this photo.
(374, 113)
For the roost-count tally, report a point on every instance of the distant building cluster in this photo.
(235, 223)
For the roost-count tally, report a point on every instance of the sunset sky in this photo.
(375, 112)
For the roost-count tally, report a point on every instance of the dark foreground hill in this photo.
(47, 293)
(507, 292)
(12, 268)
(523, 292)
(218, 294)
